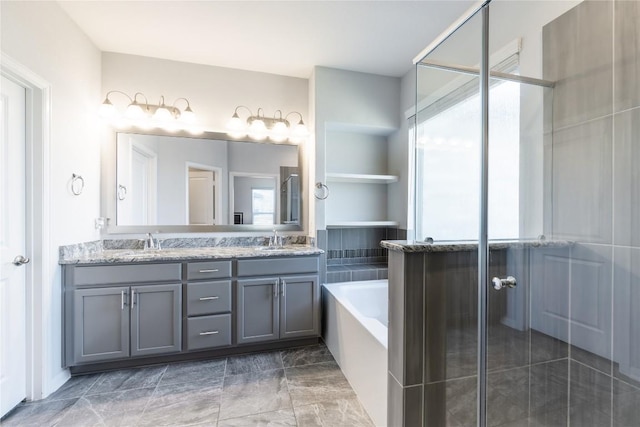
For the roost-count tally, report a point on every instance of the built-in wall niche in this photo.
(180, 183)
(357, 177)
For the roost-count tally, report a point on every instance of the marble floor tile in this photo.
(590, 396)
(555, 418)
(626, 404)
(248, 363)
(549, 387)
(461, 396)
(194, 371)
(254, 393)
(127, 379)
(545, 348)
(507, 396)
(306, 355)
(317, 383)
(282, 418)
(38, 414)
(75, 387)
(120, 408)
(335, 413)
(184, 404)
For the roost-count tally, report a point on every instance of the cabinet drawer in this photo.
(208, 270)
(208, 331)
(277, 266)
(208, 297)
(112, 274)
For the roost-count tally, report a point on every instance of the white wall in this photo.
(40, 36)
(401, 158)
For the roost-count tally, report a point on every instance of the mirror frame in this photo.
(109, 184)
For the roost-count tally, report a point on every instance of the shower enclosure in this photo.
(527, 149)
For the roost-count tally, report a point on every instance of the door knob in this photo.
(20, 260)
(498, 283)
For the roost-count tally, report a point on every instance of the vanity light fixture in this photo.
(259, 127)
(160, 115)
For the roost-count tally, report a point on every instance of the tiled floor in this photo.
(297, 387)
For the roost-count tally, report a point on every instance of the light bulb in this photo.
(162, 114)
(235, 127)
(107, 109)
(299, 132)
(188, 116)
(134, 111)
(258, 130)
(279, 132)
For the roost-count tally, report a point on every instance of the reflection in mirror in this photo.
(289, 195)
(254, 199)
(173, 181)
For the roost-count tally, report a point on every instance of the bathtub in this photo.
(355, 316)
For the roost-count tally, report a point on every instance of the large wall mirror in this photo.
(181, 183)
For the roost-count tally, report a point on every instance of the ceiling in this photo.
(280, 37)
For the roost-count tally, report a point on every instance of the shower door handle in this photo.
(498, 283)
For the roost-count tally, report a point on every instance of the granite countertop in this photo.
(116, 256)
(443, 246)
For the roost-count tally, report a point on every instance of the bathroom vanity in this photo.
(134, 307)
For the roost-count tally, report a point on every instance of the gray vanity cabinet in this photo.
(208, 305)
(258, 316)
(156, 319)
(100, 324)
(115, 323)
(299, 306)
(119, 311)
(277, 307)
(114, 312)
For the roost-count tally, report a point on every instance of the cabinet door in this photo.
(156, 315)
(258, 310)
(299, 306)
(100, 324)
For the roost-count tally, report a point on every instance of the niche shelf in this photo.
(353, 224)
(359, 178)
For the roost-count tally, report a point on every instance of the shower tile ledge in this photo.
(414, 246)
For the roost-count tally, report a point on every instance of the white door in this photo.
(201, 196)
(12, 246)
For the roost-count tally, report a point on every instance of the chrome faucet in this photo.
(151, 243)
(275, 241)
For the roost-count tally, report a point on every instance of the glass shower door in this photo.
(447, 135)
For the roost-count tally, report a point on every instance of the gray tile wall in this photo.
(354, 254)
(433, 344)
(593, 54)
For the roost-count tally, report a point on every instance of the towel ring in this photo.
(325, 191)
(77, 184)
(122, 192)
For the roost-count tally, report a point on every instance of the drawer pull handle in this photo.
(215, 270)
(208, 298)
(209, 333)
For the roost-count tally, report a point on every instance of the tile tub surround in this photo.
(355, 254)
(295, 387)
(94, 248)
(111, 256)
